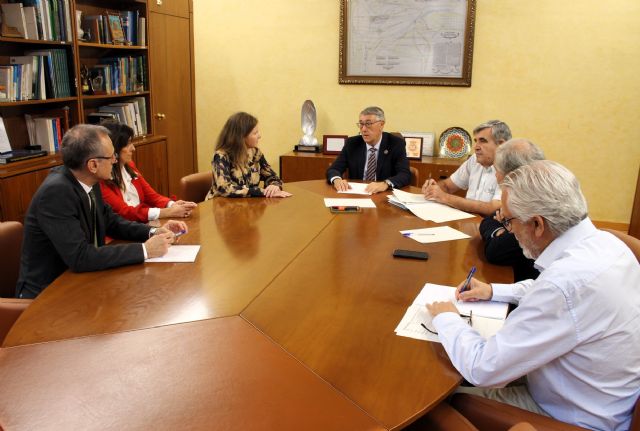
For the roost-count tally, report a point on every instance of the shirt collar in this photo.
(85, 187)
(575, 234)
(376, 146)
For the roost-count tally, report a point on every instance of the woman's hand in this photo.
(176, 210)
(272, 191)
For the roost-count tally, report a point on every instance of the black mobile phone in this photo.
(345, 209)
(410, 254)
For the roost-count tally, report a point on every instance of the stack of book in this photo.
(45, 132)
(119, 75)
(38, 19)
(42, 74)
(124, 27)
(133, 113)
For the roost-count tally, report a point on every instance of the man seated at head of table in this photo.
(67, 221)
(127, 192)
(238, 164)
(476, 175)
(374, 156)
(583, 308)
(501, 246)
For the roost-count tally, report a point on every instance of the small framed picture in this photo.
(332, 144)
(115, 28)
(428, 139)
(414, 147)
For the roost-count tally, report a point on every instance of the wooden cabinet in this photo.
(150, 158)
(171, 55)
(164, 81)
(313, 166)
(19, 182)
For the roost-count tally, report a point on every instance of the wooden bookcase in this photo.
(166, 130)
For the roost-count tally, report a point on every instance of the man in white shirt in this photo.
(575, 334)
(476, 175)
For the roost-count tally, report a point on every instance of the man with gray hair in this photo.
(374, 156)
(476, 175)
(584, 307)
(67, 221)
(500, 246)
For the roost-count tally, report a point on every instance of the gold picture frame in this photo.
(408, 43)
(115, 28)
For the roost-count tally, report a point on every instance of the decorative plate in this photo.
(455, 142)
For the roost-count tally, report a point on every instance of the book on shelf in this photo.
(133, 113)
(5, 145)
(13, 16)
(56, 72)
(41, 19)
(46, 132)
(18, 155)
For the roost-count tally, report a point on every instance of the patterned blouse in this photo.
(229, 181)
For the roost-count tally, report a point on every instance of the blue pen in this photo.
(465, 286)
(178, 234)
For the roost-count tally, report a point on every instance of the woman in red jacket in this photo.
(127, 192)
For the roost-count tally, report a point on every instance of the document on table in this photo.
(488, 316)
(178, 253)
(426, 209)
(362, 203)
(356, 189)
(434, 234)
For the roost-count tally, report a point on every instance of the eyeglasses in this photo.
(368, 124)
(114, 156)
(468, 319)
(506, 223)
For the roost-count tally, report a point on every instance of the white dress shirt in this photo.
(575, 332)
(479, 182)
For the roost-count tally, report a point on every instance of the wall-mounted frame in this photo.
(332, 144)
(413, 147)
(407, 42)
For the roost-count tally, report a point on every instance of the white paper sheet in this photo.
(362, 203)
(429, 210)
(488, 316)
(357, 189)
(178, 253)
(434, 234)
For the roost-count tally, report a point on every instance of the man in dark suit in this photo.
(374, 156)
(67, 221)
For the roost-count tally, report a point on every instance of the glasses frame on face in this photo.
(367, 124)
(114, 156)
(505, 222)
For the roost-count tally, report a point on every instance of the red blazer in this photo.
(149, 198)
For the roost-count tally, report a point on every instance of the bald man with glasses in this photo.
(67, 221)
(375, 156)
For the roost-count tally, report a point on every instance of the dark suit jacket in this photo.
(57, 234)
(505, 250)
(392, 160)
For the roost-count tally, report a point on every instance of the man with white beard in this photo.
(583, 308)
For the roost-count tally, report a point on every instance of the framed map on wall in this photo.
(406, 42)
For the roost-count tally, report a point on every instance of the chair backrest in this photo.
(195, 187)
(10, 310)
(631, 242)
(415, 177)
(11, 246)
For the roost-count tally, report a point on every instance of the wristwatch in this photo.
(389, 183)
(152, 231)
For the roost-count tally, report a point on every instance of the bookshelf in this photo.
(129, 67)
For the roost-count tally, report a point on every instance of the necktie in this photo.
(371, 165)
(94, 235)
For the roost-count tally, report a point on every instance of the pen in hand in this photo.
(410, 234)
(467, 282)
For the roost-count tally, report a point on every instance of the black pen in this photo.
(425, 327)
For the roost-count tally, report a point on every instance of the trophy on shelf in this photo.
(308, 143)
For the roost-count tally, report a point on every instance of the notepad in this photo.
(488, 316)
(178, 253)
(426, 209)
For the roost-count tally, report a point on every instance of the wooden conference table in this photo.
(286, 320)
